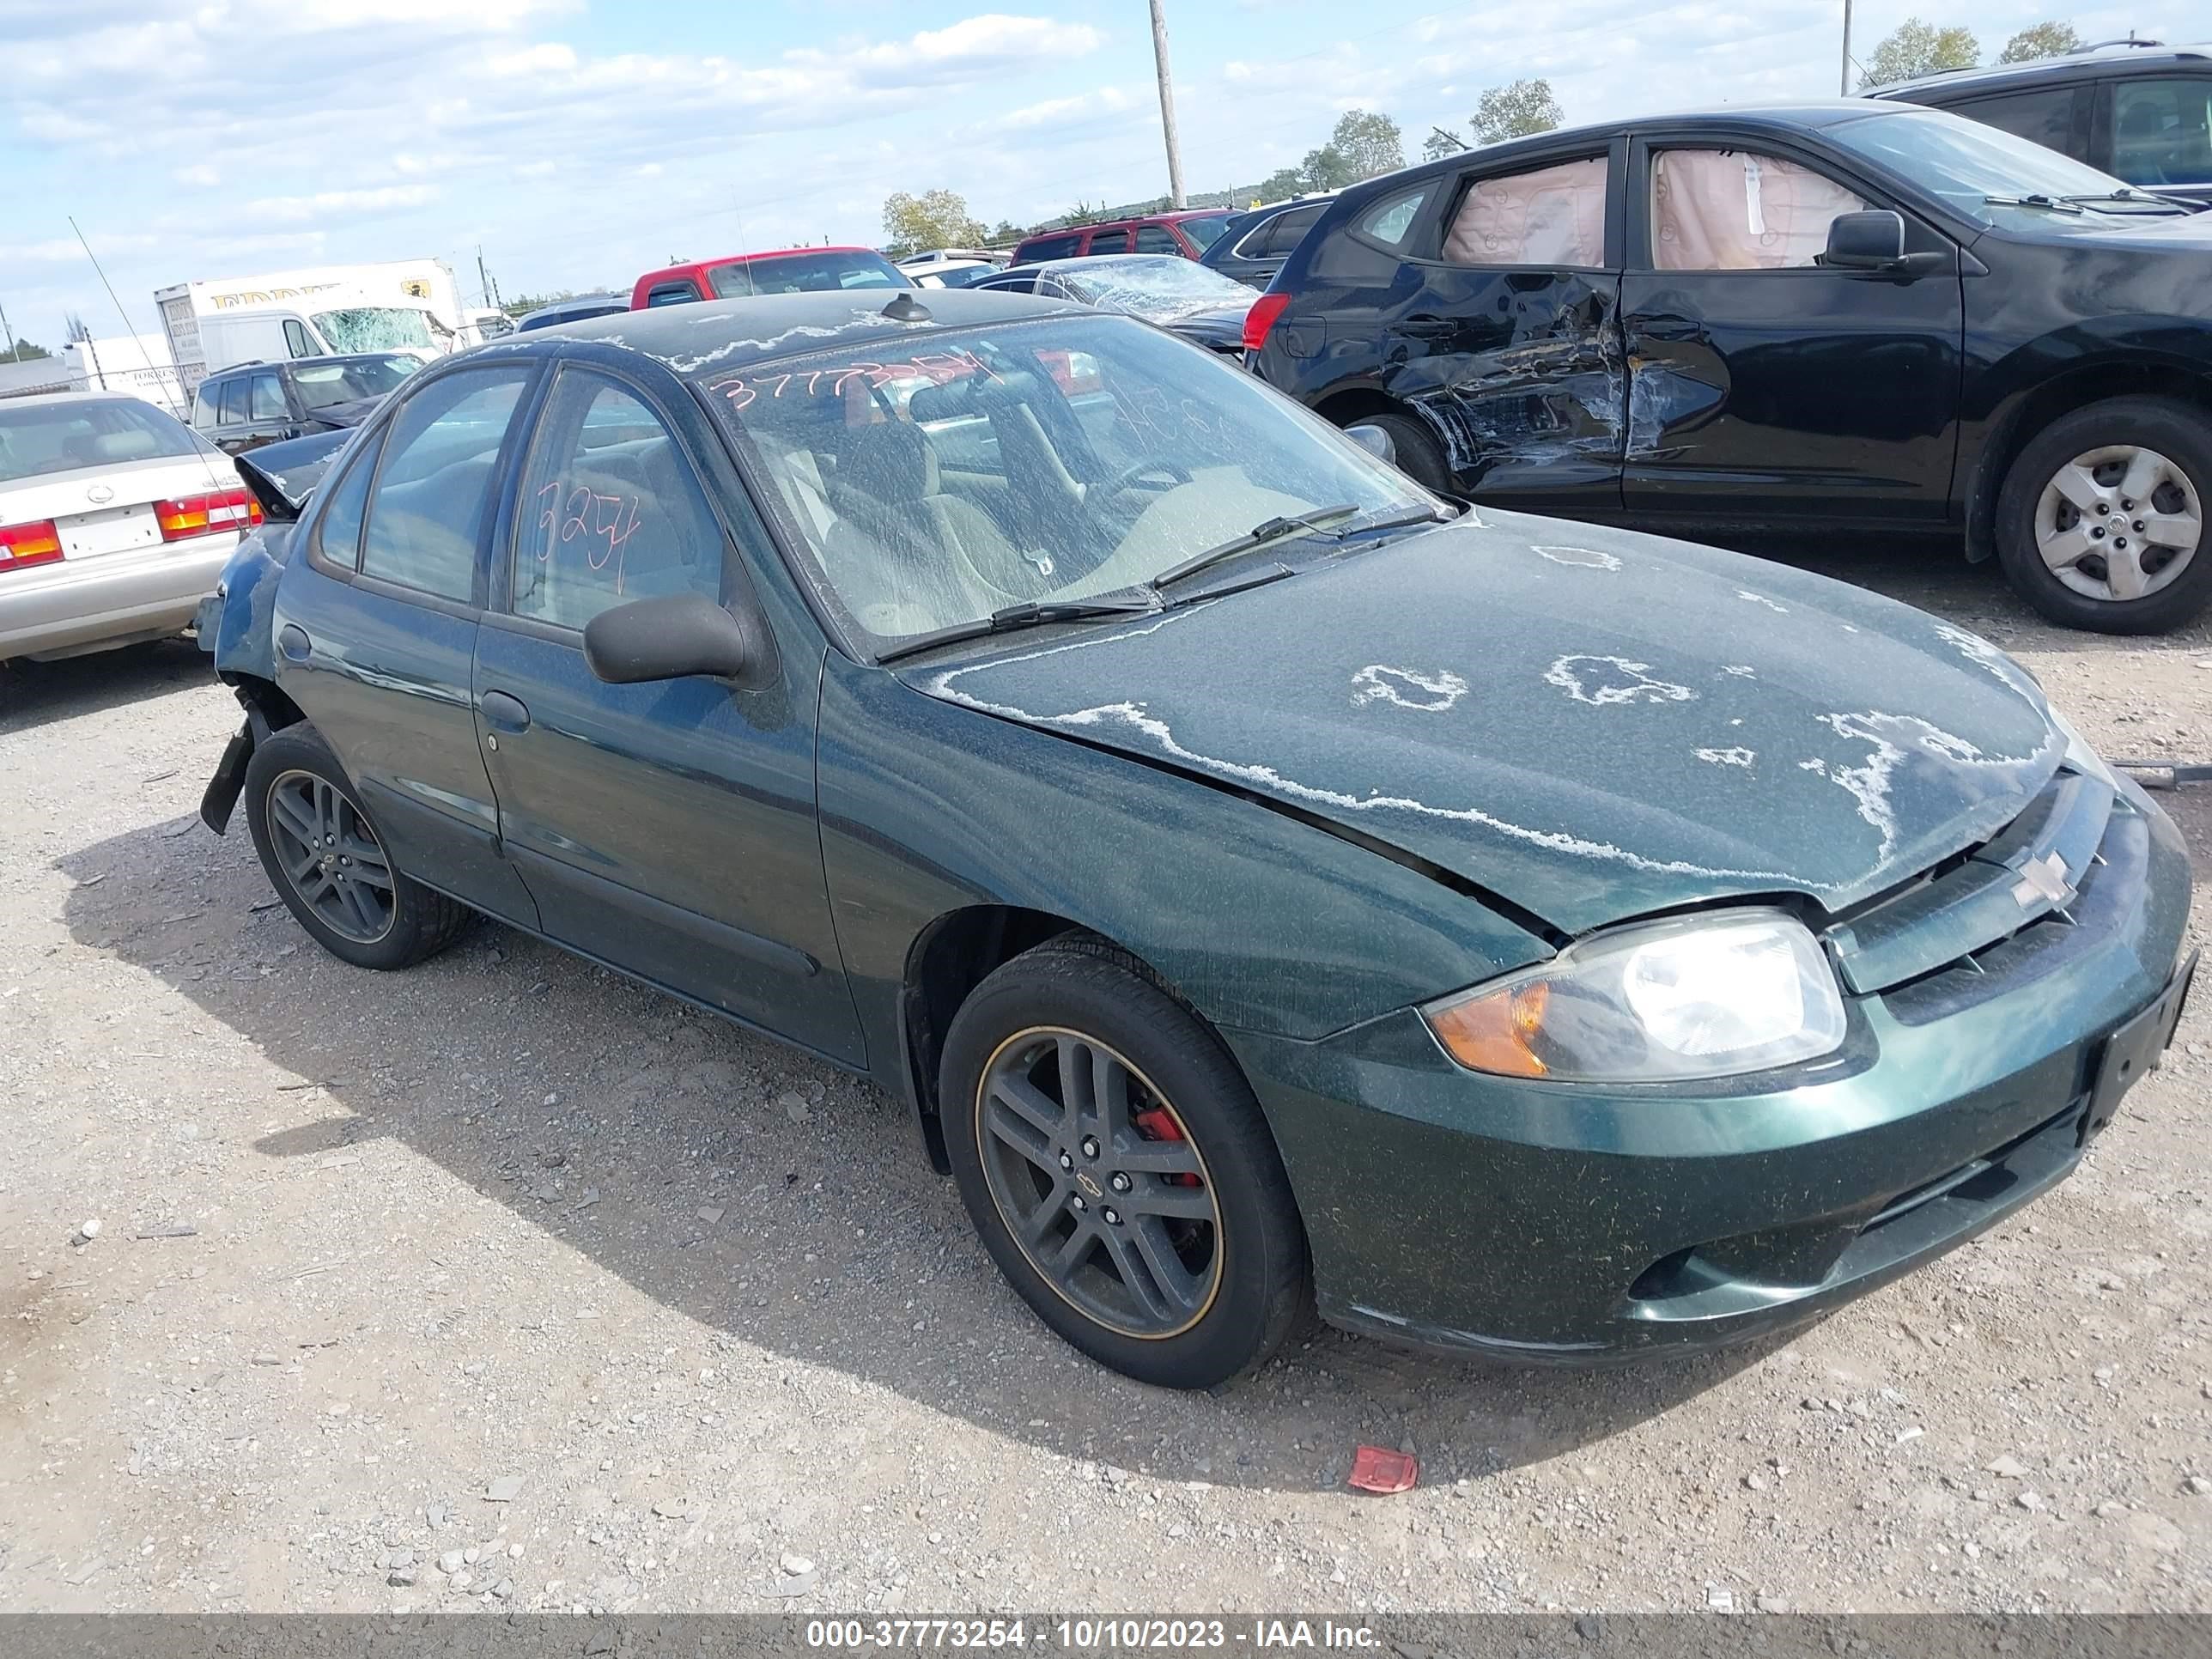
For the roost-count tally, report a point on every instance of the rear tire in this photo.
(1420, 457)
(305, 818)
(2078, 545)
(1089, 1109)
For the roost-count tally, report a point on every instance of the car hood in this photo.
(1592, 724)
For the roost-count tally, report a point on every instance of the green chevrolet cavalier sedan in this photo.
(1269, 884)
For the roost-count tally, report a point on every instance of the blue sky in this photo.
(580, 142)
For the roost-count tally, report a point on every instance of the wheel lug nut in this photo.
(2136, 526)
(2119, 541)
(1120, 1183)
(1076, 1204)
(1065, 1161)
(1090, 1147)
(1112, 1220)
(2098, 534)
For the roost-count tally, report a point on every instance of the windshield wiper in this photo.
(1411, 515)
(2037, 199)
(1030, 614)
(1260, 535)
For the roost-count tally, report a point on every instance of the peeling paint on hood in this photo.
(1592, 739)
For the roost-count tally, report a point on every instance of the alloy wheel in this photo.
(2119, 522)
(1095, 1176)
(331, 856)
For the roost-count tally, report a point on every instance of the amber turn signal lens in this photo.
(1492, 1033)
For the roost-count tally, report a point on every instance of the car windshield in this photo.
(320, 385)
(1204, 232)
(935, 481)
(1985, 173)
(39, 439)
(1157, 286)
(795, 273)
(373, 328)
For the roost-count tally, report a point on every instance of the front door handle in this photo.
(1427, 328)
(503, 713)
(292, 640)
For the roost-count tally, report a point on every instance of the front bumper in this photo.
(85, 605)
(1573, 1224)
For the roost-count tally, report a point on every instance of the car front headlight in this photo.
(1702, 996)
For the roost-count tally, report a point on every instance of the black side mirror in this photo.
(1375, 439)
(1865, 241)
(668, 639)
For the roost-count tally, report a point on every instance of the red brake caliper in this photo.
(1159, 1124)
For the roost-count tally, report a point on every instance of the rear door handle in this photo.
(1427, 328)
(292, 640)
(503, 713)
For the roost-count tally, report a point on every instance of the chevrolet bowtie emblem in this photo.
(2043, 878)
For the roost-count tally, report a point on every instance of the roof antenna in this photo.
(905, 308)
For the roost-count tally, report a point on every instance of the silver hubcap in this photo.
(2118, 523)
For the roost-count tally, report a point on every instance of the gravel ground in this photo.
(504, 1281)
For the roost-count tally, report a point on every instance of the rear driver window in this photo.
(427, 512)
(1553, 215)
(610, 511)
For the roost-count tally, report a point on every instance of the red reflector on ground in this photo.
(1378, 1469)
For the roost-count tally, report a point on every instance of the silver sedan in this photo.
(115, 521)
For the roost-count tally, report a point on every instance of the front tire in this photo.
(2101, 521)
(1119, 1169)
(328, 864)
(1417, 454)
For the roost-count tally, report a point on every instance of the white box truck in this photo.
(394, 304)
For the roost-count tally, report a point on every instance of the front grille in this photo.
(2042, 870)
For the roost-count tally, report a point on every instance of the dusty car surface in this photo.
(1852, 317)
(1265, 881)
(115, 521)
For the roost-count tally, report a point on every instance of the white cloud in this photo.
(335, 203)
(199, 176)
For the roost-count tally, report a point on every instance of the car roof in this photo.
(689, 265)
(2113, 58)
(1104, 261)
(715, 336)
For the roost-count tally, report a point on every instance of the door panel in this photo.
(666, 828)
(1519, 370)
(669, 829)
(384, 671)
(386, 681)
(1788, 391)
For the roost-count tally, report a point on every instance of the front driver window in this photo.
(1553, 215)
(427, 512)
(610, 511)
(1728, 209)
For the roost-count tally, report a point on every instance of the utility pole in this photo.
(1847, 49)
(15, 354)
(484, 283)
(1167, 103)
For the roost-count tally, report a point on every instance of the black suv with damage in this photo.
(1852, 316)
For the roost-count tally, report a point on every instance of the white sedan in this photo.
(115, 521)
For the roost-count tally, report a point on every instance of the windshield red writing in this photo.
(936, 367)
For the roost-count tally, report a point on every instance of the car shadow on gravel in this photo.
(774, 1201)
(34, 693)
